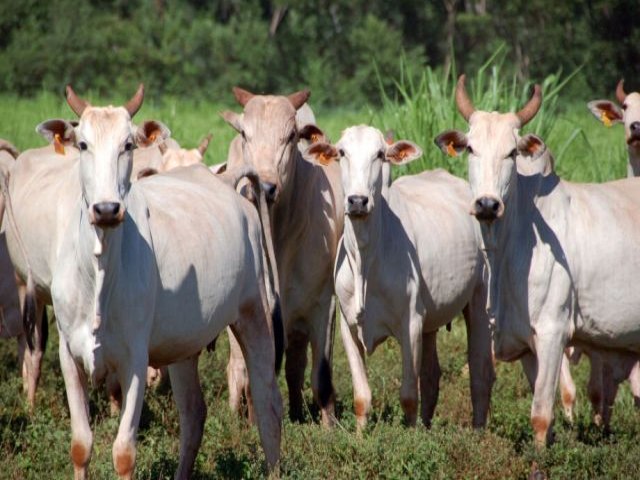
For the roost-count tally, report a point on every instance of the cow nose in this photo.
(270, 190)
(635, 127)
(107, 213)
(487, 208)
(357, 204)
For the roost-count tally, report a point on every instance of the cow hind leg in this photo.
(32, 359)
(237, 378)
(634, 379)
(595, 388)
(411, 362)
(429, 378)
(295, 365)
(187, 393)
(322, 352)
(256, 342)
(567, 389)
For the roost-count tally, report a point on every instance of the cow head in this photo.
(610, 113)
(362, 150)
(105, 137)
(492, 144)
(174, 158)
(270, 136)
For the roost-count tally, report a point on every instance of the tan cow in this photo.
(408, 263)
(551, 247)
(307, 217)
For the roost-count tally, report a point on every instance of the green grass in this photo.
(37, 447)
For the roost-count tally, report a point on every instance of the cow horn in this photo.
(463, 101)
(242, 96)
(204, 144)
(297, 99)
(76, 103)
(531, 108)
(620, 93)
(133, 105)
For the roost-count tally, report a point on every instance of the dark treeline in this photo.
(200, 48)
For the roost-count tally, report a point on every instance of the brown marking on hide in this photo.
(124, 462)
(540, 426)
(58, 146)
(567, 396)
(79, 454)
(359, 407)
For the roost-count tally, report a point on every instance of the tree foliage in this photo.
(344, 50)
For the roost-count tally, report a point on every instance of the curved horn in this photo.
(133, 105)
(297, 99)
(620, 93)
(204, 144)
(76, 103)
(242, 96)
(463, 101)
(531, 108)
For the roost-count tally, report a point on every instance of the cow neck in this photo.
(633, 168)
(362, 236)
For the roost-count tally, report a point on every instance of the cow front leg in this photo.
(479, 356)
(355, 355)
(75, 383)
(411, 346)
(132, 378)
(237, 378)
(429, 377)
(549, 352)
(295, 365)
(322, 323)
(187, 393)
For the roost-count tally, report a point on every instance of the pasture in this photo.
(37, 446)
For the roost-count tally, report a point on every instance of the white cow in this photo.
(125, 297)
(408, 263)
(551, 247)
(306, 211)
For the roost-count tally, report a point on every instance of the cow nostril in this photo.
(107, 209)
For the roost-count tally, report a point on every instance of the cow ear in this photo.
(322, 153)
(531, 146)
(605, 111)
(219, 168)
(234, 119)
(151, 132)
(452, 142)
(59, 133)
(311, 134)
(402, 152)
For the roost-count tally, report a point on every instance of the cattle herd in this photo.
(146, 255)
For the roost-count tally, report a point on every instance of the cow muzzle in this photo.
(107, 214)
(487, 208)
(358, 206)
(634, 135)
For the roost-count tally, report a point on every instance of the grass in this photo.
(37, 447)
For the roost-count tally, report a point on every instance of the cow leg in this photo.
(256, 341)
(429, 377)
(114, 393)
(549, 352)
(411, 361)
(187, 393)
(237, 378)
(322, 323)
(76, 386)
(595, 387)
(530, 368)
(133, 382)
(479, 355)
(567, 389)
(634, 380)
(355, 355)
(32, 359)
(295, 365)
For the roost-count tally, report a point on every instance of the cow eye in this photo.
(244, 135)
(470, 150)
(513, 153)
(291, 137)
(341, 152)
(624, 106)
(380, 155)
(82, 146)
(128, 146)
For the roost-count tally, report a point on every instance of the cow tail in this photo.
(29, 307)
(272, 280)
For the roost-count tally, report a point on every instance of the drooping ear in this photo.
(605, 111)
(452, 142)
(298, 99)
(58, 133)
(402, 152)
(322, 153)
(151, 132)
(311, 134)
(242, 96)
(234, 119)
(531, 145)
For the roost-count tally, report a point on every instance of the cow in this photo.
(407, 264)
(174, 157)
(126, 298)
(551, 245)
(305, 204)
